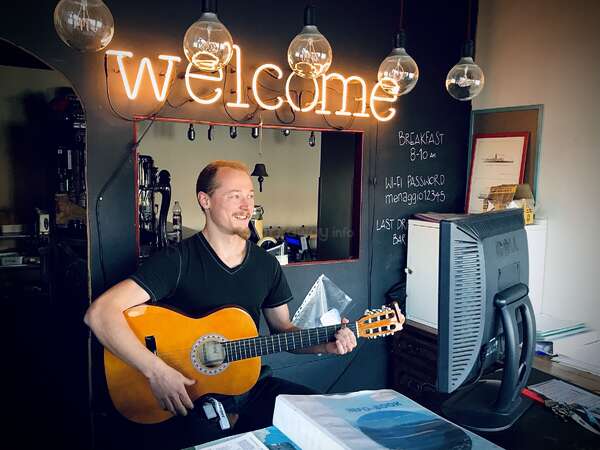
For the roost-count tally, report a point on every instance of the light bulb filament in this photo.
(82, 21)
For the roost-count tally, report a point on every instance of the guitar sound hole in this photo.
(211, 353)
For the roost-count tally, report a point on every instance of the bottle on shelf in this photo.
(177, 221)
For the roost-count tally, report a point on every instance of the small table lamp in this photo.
(260, 171)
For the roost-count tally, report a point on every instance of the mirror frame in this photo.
(357, 187)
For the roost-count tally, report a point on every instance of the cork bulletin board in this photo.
(510, 119)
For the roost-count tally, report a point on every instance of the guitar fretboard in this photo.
(283, 342)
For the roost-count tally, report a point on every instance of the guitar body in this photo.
(181, 342)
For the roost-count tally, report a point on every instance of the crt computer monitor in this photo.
(485, 318)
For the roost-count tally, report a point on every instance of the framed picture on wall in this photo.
(497, 158)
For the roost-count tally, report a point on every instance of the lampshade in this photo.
(259, 171)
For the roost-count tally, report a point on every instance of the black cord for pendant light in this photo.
(401, 24)
(468, 38)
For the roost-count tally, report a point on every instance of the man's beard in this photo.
(244, 233)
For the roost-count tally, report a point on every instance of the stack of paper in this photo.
(562, 392)
(549, 328)
(581, 351)
(368, 420)
(438, 217)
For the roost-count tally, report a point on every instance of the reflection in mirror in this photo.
(307, 209)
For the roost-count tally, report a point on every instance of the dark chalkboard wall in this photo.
(420, 158)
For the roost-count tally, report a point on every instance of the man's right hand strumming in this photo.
(169, 387)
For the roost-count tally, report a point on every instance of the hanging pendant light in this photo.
(309, 54)
(207, 43)
(398, 73)
(85, 25)
(465, 80)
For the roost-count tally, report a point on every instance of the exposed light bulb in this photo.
(286, 132)
(207, 43)
(309, 54)
(465, 80)
(191, 133)
(85, 25)
(398, 73)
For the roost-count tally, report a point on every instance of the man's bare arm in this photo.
(105, 318)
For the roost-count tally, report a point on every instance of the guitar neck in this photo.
(283, 342)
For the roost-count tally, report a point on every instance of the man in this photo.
(216, 267)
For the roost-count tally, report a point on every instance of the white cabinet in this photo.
(422, 266)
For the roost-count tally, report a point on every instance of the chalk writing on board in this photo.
(396, 224)
(415, 188)
(414, 181)
(417, 191)
(412, 198)
(417, 140)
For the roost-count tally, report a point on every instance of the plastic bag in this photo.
(322, 306)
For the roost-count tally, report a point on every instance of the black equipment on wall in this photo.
(164, 188)
(152, 229)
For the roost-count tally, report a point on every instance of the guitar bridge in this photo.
(150, 343)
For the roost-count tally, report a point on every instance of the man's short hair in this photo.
(207, 179)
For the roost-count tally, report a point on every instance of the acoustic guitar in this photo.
(221, 351)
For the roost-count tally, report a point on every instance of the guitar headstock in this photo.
(380, 322)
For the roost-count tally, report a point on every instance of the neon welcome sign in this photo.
(376, 94)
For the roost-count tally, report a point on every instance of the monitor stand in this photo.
(493, 405)
(474, 408)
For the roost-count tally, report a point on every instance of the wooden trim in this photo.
(538, 134)
(574, 376)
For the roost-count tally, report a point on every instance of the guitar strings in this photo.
(245, 346)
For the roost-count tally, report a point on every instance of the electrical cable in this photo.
(372, 188)
(180, 105)
(248, 116)
(283, 121)
(117, 113)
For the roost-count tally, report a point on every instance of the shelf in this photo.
(15, 236)
(21, 266)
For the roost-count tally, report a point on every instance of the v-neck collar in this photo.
(219, 261)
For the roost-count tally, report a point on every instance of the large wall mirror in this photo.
(307, 211)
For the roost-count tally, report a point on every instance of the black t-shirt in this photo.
(192, 278)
